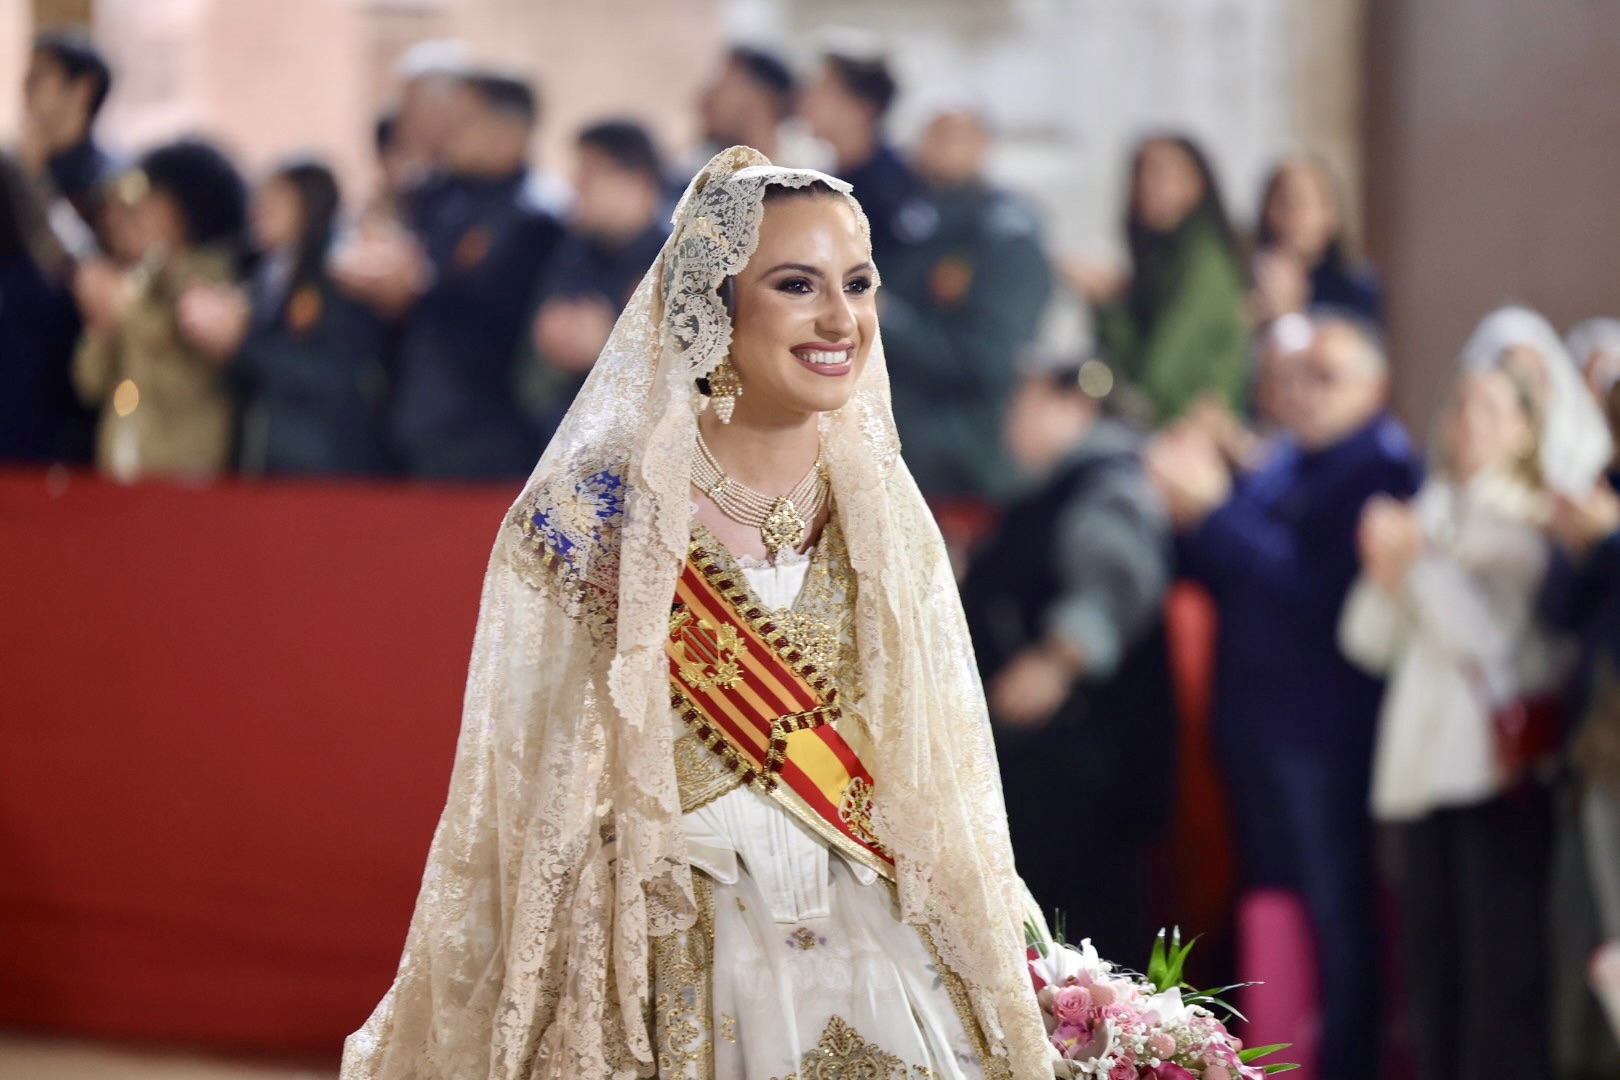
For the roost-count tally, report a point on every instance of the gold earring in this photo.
(724, 389)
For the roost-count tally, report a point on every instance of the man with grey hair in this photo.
(1293, 720)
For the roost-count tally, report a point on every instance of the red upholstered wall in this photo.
(227, 717)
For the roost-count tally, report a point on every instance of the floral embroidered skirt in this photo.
(853, 993)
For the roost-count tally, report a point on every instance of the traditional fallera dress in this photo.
(711, 818)
(798, 965)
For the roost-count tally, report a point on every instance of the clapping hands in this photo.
(1190, 474)
(1390, 539)
(214, 319)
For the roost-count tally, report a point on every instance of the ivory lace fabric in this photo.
(561, 854)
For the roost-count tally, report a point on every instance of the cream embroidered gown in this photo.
(602, 899)
(799, 966)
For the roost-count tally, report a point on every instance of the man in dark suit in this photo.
(844, 106)
(960, 301)
(461, 290)
(1294, 722)
(616, 228)
(67, 83)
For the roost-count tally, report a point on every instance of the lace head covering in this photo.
(561, 849)
(1575, 443)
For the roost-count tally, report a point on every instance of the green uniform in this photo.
(960, 300)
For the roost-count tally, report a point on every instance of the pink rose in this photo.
(1124, 1069)
(1103, 994)
(1217, 1072)
(1071, 1003)
(1122, 1016)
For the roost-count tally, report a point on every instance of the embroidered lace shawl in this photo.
(560, 852)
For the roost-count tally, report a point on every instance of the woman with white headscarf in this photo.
(1575, 443)
(725, 802)
(1582, 596)
(1595, 346)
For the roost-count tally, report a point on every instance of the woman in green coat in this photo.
(1175, 329)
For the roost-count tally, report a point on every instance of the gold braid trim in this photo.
(725, 581)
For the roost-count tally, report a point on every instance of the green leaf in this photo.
(1158, 965)
(1254, 1052)
(1178, 957)
(1269, 1069)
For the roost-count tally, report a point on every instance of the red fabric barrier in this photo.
(229, 716)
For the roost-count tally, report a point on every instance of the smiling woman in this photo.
(725, 803)
(804, 316)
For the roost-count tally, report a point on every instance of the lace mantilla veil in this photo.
(561, 851)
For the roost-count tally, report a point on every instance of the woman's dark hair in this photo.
(1154, 254)
(319, 199)
(1337, 253)
(80, 60)
(627, 144)
(205, 185)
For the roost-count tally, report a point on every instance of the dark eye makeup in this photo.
(803, 285)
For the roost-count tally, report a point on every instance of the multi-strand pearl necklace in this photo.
(781, 520)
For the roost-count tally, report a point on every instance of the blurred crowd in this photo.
(1416, 644)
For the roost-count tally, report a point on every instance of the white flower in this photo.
(1169, 1008)
(1063, 963)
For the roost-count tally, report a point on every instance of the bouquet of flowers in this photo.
(1114, 1024)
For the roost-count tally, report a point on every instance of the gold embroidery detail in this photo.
(683, 967)
(699, 774)
(843, 1055)
(805, 938)
(564, 542)
(855, 810)
(713, 654)
(728, 1027)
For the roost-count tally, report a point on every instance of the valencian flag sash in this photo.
(765, 710)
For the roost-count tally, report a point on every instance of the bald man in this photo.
(1294, 721)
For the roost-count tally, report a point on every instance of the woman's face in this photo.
(1526, 364)
(1166, 187)
(278, 217)
(1487, 425)
(159, 221)
(805, 312)
(1302, 212)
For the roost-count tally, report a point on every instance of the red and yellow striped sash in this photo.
(756, 701)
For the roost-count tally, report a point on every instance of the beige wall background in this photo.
(1493, 154)
(274, 77)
